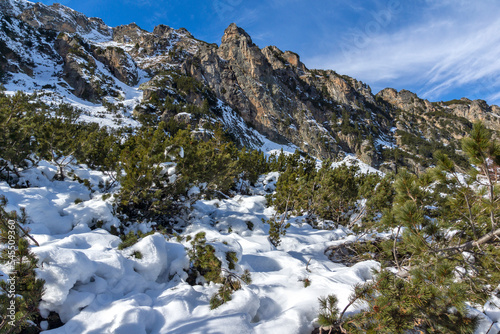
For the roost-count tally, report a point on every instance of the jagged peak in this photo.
(62, 19)
(15, 7)
(289, 57)
(184, 31)
(388, 90)
(273, 48)
(129, 26)
(233, 32)
(73, 13)
(391, 93)
(58, 8)
(128, 32)
(68, 10)
(161, 29)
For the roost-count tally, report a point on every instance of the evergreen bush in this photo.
(205, 263)
(21, 293)
(445, 249)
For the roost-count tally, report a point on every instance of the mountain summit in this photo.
(151, 182)
(321, 112)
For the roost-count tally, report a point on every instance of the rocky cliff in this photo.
(321, 112)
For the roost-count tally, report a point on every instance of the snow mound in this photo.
(97, 288)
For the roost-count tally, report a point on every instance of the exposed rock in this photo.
(406, 100)
(261, 85)
(63, 19)
(477, 110)
(471, 110)
(130, 33)
(321, 112)
(80, 70)
(14, 7)
(162, 30)
(120, 64)
(183, 118)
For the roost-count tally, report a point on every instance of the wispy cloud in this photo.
(451, 45)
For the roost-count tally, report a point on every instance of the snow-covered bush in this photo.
(204, 263)
(443, 253)
(20, 290)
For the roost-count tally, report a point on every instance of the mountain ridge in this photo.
(319, 111)
(150, 183)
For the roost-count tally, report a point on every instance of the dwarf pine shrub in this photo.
(21, 293)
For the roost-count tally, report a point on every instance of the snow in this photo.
(352, 160)
(95, 113)
(17, 6)
(46, 79)
(97, 288)
(384, 143)
(253, 138)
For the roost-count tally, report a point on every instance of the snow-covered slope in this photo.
(32, 64)
(97, 288)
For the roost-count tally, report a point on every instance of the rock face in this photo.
(21, 45)
(279, 96)
(119, 63)
(321, 112)
(63, 19)
(73, 54)
(81, 71)
(477, 110)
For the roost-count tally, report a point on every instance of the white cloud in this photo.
(449, 45)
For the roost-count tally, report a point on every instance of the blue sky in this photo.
(440, 49)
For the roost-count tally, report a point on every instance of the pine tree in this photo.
(205, 263)
(328, 312)
(277, 228)
(445, 248)
(252, 164)
(146, 191)
(18, 120)
(397, 305)
(59, 138)
(231, 283)
(328, 193)
(294, 186)
(335, 192)
(213, 163)
(22, 292)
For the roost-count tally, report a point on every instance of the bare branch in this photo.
(474, 243)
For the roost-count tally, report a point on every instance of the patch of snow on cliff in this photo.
(251, 137)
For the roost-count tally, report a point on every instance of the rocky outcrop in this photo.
(271, 90)
(249, 80)
(14, 7)
(63, 19)
(321, 112)
(156, 51)
(477, 110)
(18, 41)
(128, 34)
(12, 62)
(75, 73)
(119, 63)
(472, 111)
(277, 94)
(280, 60)
(80, 70)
